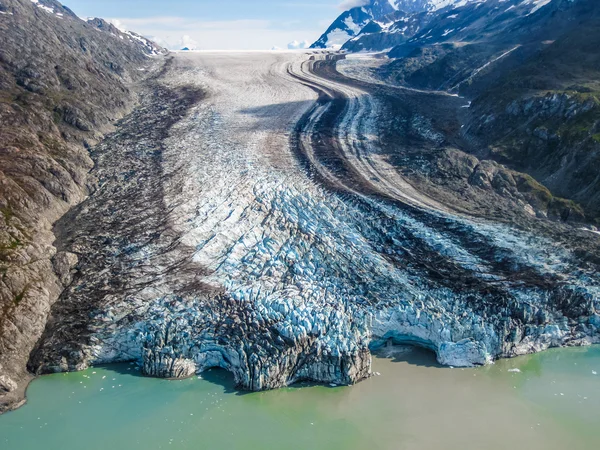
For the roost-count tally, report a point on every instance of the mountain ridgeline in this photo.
(530, 70)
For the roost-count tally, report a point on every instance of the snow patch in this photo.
(537, 4)
(337, 38)
(44, 7)
(590, 230)
(352, 26)
(435, 5)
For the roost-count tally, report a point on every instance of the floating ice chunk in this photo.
(514, 370)
(594, 372)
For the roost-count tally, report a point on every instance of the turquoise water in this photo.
(552, 403)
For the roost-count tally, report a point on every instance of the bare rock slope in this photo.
(62, 83)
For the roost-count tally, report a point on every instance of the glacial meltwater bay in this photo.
(544, 401)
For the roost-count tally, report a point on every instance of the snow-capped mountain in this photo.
(346, 26)
(351, 22)
(379, 13)
(383, 24)
(449, 21)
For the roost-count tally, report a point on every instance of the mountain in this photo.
(464, 39)
(445, 22)
(529, 70)
(381, 16)
(63, 82)
(351, 22)
(146, 45)
(528, 67)
(539, 112)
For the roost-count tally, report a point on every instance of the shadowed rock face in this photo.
(62, 83)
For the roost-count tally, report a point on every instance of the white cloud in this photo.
(117, 23)
(349, 4)
(295, 45)
(169, 31)
(187, 42)
(158, 40)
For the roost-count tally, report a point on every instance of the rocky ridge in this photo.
(62, 83)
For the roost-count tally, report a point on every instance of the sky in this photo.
(218, 24)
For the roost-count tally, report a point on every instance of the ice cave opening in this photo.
(220, 376)
(405, 347)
